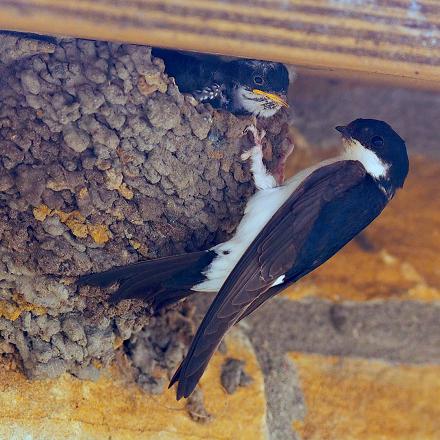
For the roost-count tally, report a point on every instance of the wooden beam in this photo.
(400, 38)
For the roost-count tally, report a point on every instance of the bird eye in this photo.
(258, 80)
(377, 141)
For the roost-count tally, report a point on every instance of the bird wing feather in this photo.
(271, 255)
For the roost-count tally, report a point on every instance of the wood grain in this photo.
(400, 38)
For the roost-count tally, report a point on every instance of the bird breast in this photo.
(259, 210)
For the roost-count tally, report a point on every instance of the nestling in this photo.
(240, 86)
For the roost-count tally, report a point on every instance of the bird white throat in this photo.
(255, 104)
(354, 150)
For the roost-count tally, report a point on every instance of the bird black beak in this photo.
(343, 130)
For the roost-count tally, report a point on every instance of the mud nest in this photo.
(104, 162)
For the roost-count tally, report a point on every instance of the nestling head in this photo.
(261, 86)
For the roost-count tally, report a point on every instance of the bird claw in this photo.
(258, 135)
(256, 150)
(262, 178)
(258, 139)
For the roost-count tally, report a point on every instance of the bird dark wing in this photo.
(339, 220)
(213, 94)
(271, 255)
(202, 76)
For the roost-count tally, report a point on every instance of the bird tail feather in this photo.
(162, 281)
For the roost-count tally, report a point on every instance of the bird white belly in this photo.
(259, 210)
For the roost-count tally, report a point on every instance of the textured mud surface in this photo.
(103, 162)
(233, 375)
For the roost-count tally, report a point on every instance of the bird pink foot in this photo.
(258, 136)
(262, 178)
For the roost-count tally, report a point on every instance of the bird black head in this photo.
(379, 138)
(261, 86)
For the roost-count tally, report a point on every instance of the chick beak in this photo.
(275, 98)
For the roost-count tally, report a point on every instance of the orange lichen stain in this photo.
(83, 192)
(125, 191)
(41, 212)
(99, 233)
(9, 310)
(404, 262)
(76, 222)
(12, 310)
(356, 399)
(113, 408)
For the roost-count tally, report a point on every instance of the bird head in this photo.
(376, 141)
(260, 86)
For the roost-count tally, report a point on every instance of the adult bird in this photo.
(287, 231)
(240, 86)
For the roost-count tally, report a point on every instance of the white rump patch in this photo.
(278, 281)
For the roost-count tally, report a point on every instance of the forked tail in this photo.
(162, 281)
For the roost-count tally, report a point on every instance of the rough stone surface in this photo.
(156, 351)
(114, 407)
(233, 375)
(283, 392)
(101, 168)
(358, 399)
